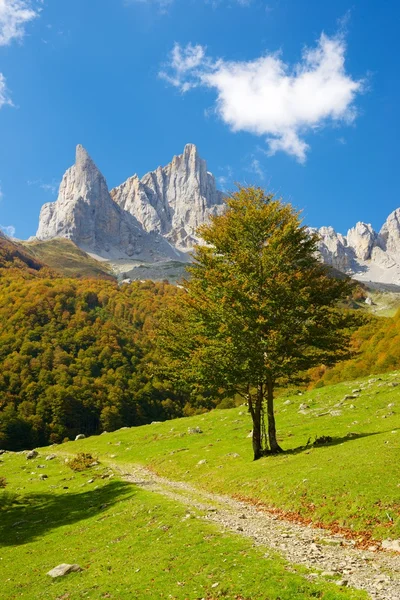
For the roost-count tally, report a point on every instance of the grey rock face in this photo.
(361, 239)
(389, 235)
(85, 213)
(334, 250)
(364, 254)
(173, 200)
(156, 218)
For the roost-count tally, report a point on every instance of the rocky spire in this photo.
(85, 213)
(389, 235)
(362, 239)
(173, 200)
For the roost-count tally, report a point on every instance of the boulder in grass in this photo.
(192, 430)
(64, 569)
(81, 436)
(31, 454)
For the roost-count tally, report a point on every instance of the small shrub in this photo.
(82, 461)
(3, 482)
(226, 403)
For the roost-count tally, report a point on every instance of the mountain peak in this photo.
(190, 149)
(173, 200)
(82, 157)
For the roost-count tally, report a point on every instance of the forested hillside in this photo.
(77, 355)
(14, 257)
(376, 347)
(67, 260)
(74, 358)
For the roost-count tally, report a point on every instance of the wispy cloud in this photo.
(8, 230)
(14, 15)
(164, 4)
(256, 168)
(51, 187)
(4, 93)
(225, 180)
(268, 97)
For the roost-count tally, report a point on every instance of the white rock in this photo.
(393, 545)
(63, 569)
(361, 238)
(173, 200)
(85, 213)
(363, 254)
(156, 219)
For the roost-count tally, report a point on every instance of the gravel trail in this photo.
(378, 573)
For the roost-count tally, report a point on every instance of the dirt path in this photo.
(378, 573)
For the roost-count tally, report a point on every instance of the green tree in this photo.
(258, 310)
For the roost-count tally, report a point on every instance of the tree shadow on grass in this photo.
(26, 518)
(329, 441)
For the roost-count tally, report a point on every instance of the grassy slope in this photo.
(353, 483)
(65, 258)
(131, 544)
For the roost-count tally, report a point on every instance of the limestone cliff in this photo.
(173, 200)
(85, 213)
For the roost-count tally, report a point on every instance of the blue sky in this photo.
(300, 96)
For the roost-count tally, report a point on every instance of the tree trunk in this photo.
(273, 442)
(255, 411)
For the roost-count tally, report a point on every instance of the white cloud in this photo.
(268, 97)
(14, 15)
(8, 230)
(4, 95)
(183, 61)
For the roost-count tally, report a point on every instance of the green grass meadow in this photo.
(134, 543)
(131, 544)
(353, 482)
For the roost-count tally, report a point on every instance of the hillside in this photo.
(376, 347)
(14, 256)
(142, 534)
(74, 356)
(342, 483)
(67, 260)
(131, 543)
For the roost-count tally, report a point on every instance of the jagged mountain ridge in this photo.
(155, 219)
(85, 213)
(173, 200)
(365, 254)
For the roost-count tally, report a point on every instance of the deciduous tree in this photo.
(258, 310)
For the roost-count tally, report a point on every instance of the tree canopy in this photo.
(258, 310)
(74, 358)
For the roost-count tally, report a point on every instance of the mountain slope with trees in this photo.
(74, 358)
